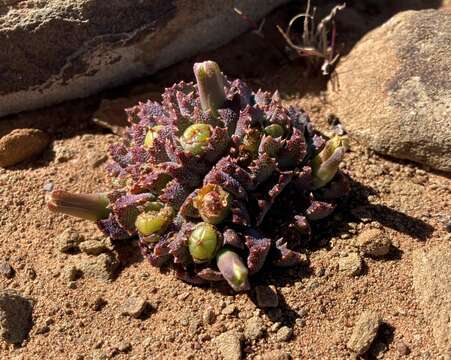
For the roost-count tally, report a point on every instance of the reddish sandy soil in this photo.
(318, 302)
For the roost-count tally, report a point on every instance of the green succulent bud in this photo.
(86, 206)
(213, 203)
(154, 206)
(203, 242)
(195, 138)
(233, 269)
(325, 164)
(151, 135)
(251, 142)
(210, 84)
(274, 130)
(154, 221)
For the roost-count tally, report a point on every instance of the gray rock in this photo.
(266, 296)
(374, 242)
(134, 306)
(101, 267)
(96, 53)
(394, 88)
(432, 284)
(229, 345)
(254, 328)
(15, 316)
(350, 264)
(69, 240)
(284, 334)
(96, 246)
(21, 144)
(364, 332)
(6, 270)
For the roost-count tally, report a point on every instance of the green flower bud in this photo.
(325, 164)
(156, 221)
(210, 84)
(233, 269)
(274, 130)
(213, 203)
(195, 138)
(251, 142)
(203, 242)
(151, 135)
(86, 206)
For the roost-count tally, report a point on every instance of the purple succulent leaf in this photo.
(319, 210)
(187, 210)
(294, 150)
(262, 98)
(266, 203)
(112, 229)
(240, 87)
(302, 179)
(121, 155)
(179, 172)
(174, 194)
(286, 257)
(217, 145)
(152, 182)
(229, 118)
(258, 246)
(240, 214)
(301, 224)
(262, 168)
(269, 146)
(231, 238)
(178, 248)
(318, 143)
(249, 117)
(192, 279)
(140, 155)
(227, 182)
(209, 274)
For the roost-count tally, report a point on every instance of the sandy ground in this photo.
(318, 302)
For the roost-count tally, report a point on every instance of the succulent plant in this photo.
(216, 181)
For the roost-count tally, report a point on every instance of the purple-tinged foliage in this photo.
(210, 177)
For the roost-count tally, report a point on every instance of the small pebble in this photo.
(402, 348)
(134, 306)
(267, 296)
(284, 334)
(209, 316)
(229, 310)
(6, 270)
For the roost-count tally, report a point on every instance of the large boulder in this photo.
(432, 283)
(394, 88)
(62, 49)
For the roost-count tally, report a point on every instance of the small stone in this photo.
(284, 334)
(254, 328)
(274, 327)
(95, 247)
(276, 355)
(374, 242)
(101, 267)
(95, 159)
(15, 316)
(6, 270)
(351, 264)
(402, 348)
(20, 145)
(134, 306)
(209, 316)
(229, 344)
(266, 296)
(31, 273)
(71, 273)
(69, 240)
(98, 304)
(72, 285)
(229, 310)
(124, 346)
(364, 332)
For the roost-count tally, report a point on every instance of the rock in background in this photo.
(432, 283)
(59, 50)
(394, 88)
